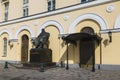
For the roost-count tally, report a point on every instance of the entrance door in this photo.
(86, 53)
(87, 50)
(24, 49)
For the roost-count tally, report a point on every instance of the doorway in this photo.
(87, 50)
(24, 48)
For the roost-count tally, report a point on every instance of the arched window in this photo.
(4, 47)
(88, 30)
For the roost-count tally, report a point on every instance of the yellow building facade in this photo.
(22, 20)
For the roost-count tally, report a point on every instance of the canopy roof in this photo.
(72, 38)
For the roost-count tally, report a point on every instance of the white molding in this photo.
(92, 16)
(111, 30)
(116, 27)
(104, 31)
(52, 22)
(117, 22)
(6, 31)
(110, 8)
(24, 28)
(77, 7)
(66, 17)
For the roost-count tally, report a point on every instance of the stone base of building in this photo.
(107, 67)
(97, 66)
(10, 61)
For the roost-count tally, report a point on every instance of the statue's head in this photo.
(43, 29)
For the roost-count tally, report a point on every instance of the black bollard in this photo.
(99, 67)
(6, 65)
(62, 65)
(42, 68)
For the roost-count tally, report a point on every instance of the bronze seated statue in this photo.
(42, 40)
(41, 53)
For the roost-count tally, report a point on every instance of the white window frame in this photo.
(25, 11)
(51, 7)
(6, 11)
(25, 1)
(4, 54)
(86, 1)
(25, 8)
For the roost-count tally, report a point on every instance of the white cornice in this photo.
(93, 3)
(110, 30)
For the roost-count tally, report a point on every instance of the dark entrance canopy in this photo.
(72, 38)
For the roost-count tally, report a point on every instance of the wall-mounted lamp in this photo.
(110, 36)
(10, 43)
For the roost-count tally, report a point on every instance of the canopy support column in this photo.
(67, 66)
(93, 51)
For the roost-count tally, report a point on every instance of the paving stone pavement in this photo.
(13, 73)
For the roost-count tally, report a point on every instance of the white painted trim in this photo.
(95, 17)
(116, 27)
(104, 31)
(117, 22)
(6, 31)
(52, 22)
(24, 28)
(77, 7)
(111, 30)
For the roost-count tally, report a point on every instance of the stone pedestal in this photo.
(40, 55)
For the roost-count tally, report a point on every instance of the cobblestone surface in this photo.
(57, 73)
